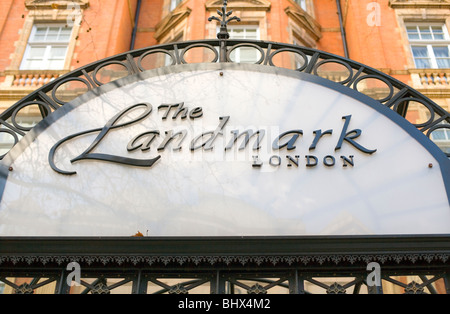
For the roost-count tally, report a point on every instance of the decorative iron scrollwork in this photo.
(336, 288)
(257, 289)
(178, 289)
(414, 288)
(24, 289)
(101, 288)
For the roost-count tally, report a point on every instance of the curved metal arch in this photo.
(398, 98)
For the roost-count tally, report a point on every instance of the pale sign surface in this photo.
(166, 154)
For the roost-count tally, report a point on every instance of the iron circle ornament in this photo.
(346, 65)
(249, 45)
(40, 104)
(64, 81)
(185, 50)
(13, 134)
(371, 76)
(102, 65)
(298, 52)
(431, 110)
(155, 51)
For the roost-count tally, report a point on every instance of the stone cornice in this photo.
(61, 4)
(170, 21)
(305, 21)
(239, 5)
(419, 4)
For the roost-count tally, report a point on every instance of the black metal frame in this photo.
(222, 265)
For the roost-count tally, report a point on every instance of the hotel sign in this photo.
(206, 140)
(224, 150)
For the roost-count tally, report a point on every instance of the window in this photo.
(441, 135)
(301, 3)
(174, 4)
(244, 54)
(47, 48)
(430, 46)
(243, 32)
(442, 139)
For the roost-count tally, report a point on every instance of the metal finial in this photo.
(223, 34)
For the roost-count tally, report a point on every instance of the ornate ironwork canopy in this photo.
(225, 265)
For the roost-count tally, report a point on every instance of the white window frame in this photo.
(445, 132)
(32, 43)
(443, 143)
(237, 52)
(429, 44)
(245, 28)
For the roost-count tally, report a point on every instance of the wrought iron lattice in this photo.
(103, 285)
(29, 285)
(413, 287)
(259, 283)
(334, 288)
(176, 283)
(293, 282)
(311, 265)
(383, 88)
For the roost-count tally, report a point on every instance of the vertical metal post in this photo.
(139, 284)
(296, 284)
(447, 283)
(61, 284)
(217, 283)
(223, 51)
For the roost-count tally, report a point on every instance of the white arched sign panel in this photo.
(224, 150)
